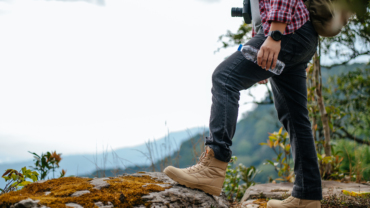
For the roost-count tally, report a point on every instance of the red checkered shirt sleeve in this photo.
(292, 12)
(281, 10)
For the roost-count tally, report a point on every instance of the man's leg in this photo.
(290, 98)
(231, 76)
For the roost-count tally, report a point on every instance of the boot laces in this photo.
(200, 162)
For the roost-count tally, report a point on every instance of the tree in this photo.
(316, 86)
(349, 101)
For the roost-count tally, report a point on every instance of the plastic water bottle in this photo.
(250, 53)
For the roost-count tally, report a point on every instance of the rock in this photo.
(157, 175)
(27, 203)
(41, 181)
(101, 205)
(100, 183)
(277, 190)
(73, 205)
(80, 193)
(221, 200)
(248, 202)
(180, 196)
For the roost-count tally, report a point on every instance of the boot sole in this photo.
(317, 205)
(206, 188)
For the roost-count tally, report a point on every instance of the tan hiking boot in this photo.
(292, 202)
(207, 175)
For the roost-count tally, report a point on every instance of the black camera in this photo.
(244, 12)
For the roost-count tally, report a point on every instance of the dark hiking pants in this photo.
(290, 97)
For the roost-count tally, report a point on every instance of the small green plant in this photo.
(46, 163)
(335, 162)
(233, 186)
(279, 142)
(16, 180)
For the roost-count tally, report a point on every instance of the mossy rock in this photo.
(144, 189)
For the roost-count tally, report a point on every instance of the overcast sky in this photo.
(75, 76)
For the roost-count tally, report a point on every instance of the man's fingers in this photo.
(264, 59)
(259, 57)
(274, 62)
(269, 61)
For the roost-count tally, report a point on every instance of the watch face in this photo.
(276, 35)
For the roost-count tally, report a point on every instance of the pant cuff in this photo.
(220, 154)
(313, 194)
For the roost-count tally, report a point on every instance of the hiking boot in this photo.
(292, 202)
(207, 175)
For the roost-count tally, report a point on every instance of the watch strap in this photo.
(274, 38)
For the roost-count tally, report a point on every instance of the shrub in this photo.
(233, 186)
(279, 142)
(16, 180)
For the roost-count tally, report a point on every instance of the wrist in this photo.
(275, 35)
(271, 41)
(281, 26)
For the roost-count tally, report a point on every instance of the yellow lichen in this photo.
(125, 191)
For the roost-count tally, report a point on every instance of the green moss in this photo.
(132, 188)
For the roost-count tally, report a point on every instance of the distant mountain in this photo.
(250, 131)
(119, 158)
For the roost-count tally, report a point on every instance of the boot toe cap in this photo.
(169, 169)
(172, 172)
(179, 175)
(273, 203)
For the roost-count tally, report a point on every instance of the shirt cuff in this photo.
(279, 16)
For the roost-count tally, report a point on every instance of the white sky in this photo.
(74, 75)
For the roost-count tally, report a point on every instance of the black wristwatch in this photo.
(276, 35)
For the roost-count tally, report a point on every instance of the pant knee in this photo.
(218, 77)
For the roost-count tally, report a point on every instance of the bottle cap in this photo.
(240, 47)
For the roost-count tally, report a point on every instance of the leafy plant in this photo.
(16, 180)
(334, 161)
(46, 163)
(62, 173)
(278, 141)
(233, 186)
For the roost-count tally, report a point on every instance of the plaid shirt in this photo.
(292, 12)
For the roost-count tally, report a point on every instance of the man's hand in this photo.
(268, 53)
(263, 81)
(270, 49)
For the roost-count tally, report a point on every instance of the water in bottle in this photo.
(250, 53)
